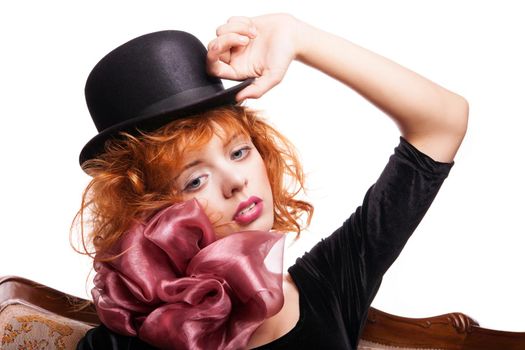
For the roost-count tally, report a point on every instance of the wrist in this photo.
(303, 37)
(296, 31)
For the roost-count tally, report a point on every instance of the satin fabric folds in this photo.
(176, 287)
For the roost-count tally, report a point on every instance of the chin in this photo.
(258, 225)
(264, 225)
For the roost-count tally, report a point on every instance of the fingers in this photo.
(247, 29)
(227, 41)
(260, 86)
(242, 19)
(231, 37)
(220, 48)
(222, 70)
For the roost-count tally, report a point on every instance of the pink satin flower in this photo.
(176, 287)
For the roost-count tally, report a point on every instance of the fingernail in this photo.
(253, 31)
(244, 39)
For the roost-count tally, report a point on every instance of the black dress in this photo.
(338, 279)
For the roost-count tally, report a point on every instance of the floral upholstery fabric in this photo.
(26, 328)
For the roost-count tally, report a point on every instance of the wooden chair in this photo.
(34, 316)
(452, 331)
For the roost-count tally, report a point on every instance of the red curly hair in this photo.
(131, 180)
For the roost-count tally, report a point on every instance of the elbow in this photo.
(442, 136)
(443, 133)
(457, 117)
(462, 116)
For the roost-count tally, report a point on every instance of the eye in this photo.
(240, 153)
(195, 184)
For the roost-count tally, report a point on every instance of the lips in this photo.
(248, 211)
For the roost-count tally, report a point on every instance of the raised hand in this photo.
(260, 47)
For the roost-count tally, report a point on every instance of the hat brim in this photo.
(155, 119)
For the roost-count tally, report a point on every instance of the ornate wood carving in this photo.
(453, 331)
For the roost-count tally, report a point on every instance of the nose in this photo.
(233, 181)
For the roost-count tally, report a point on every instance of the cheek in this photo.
(206, 201)
(210, 209)
(209, 205)
(213, 206)
(222, 225)
(264, 179)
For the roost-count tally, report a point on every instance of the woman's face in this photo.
(229, 179)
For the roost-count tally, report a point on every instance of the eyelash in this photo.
(245, 150)
(187, 188)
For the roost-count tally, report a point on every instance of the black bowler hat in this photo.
(149, 81)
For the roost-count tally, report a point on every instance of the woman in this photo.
(222, 160)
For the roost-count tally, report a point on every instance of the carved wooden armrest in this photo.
(452, 331)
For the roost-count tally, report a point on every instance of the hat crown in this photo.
(143, 72)
(148, 82)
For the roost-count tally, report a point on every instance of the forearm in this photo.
(429, 116)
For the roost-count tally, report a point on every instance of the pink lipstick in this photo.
(248, 211)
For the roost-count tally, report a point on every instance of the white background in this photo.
(467, 254)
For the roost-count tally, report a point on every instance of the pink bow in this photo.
(176, 287)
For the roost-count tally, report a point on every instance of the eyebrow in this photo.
(190, 165)
(233, 138)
